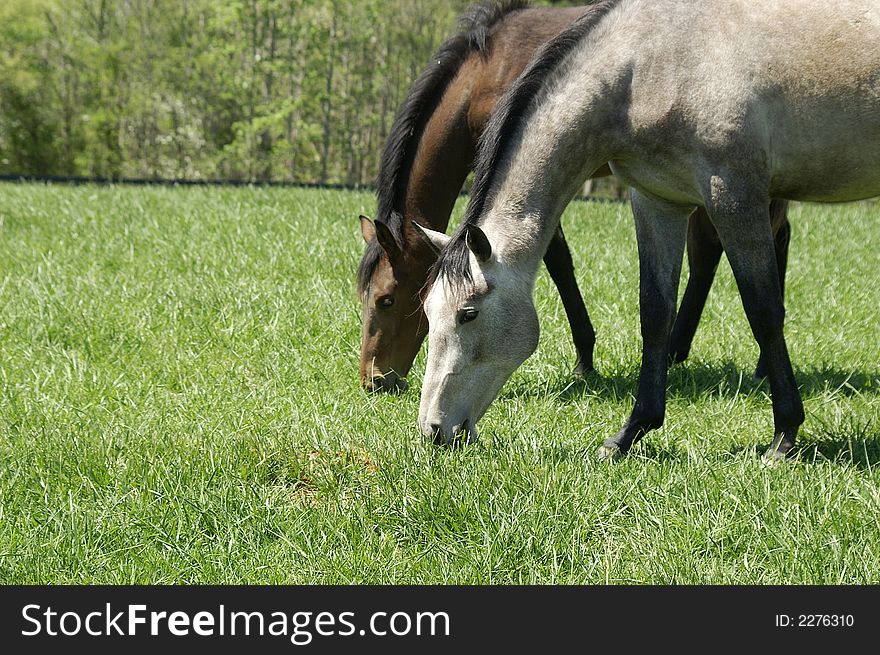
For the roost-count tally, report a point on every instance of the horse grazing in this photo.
(720, 105)
(427, 157)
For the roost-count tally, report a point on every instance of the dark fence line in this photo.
(155, 181)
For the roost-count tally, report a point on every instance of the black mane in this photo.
(421, 100)
(505, 122)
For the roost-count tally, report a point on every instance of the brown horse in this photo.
(427, 157)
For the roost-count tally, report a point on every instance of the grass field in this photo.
(179, 403)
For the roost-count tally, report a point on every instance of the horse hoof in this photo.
(583, 371)
(774, 456)
(609, 454)
(760, 374)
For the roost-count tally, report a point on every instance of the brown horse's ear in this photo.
(386, 239)
(478, 244)
(436, 241)
(368, 230)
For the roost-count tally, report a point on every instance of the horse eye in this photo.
(468, 315)
(385, 302)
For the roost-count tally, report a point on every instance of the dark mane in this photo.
(421, 100)
(505, 122)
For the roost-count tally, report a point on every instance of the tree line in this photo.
(298, 90)
(249, 90)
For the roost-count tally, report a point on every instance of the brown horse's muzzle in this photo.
(389, 382)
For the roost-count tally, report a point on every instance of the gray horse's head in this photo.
(482, 325)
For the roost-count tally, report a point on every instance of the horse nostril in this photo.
(466, 434)
(436, 433)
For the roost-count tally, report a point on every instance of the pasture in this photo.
(179, 402)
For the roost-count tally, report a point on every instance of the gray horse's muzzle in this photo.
(462, 434)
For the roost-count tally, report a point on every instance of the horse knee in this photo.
(767, 325)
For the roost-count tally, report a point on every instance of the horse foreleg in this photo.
(561, 268)
(661, 229)
(743, 224)
(704, 252)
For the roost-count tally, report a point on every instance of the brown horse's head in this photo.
(390, 276)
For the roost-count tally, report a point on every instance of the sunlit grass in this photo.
(179, 402)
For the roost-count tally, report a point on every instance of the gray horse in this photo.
(720, 104)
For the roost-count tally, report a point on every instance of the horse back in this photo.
(792, 88)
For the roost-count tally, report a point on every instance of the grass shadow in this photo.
(856, 444)
(863, 455)
(586, 452)
(695, 380)
(850, 442)
(860, 454)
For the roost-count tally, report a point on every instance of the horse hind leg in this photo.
(704, 252)
(661, 230)
(781, 239)
(743, 223)
(561, 268)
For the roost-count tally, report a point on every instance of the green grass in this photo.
(179, 403)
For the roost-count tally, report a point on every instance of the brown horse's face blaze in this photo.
(393, 320)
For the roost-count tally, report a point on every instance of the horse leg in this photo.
(561, 269)
(743, 224)
(782, 228)
(704, 252)
(661, 230)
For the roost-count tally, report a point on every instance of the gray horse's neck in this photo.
(671, 102)
(543, 166)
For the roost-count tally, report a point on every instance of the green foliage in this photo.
(301, 90)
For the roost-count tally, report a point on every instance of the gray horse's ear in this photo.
(435, 240)
(368, 230)
(478, 244)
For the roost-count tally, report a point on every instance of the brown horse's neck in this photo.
(444, 156)
(447, 146)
